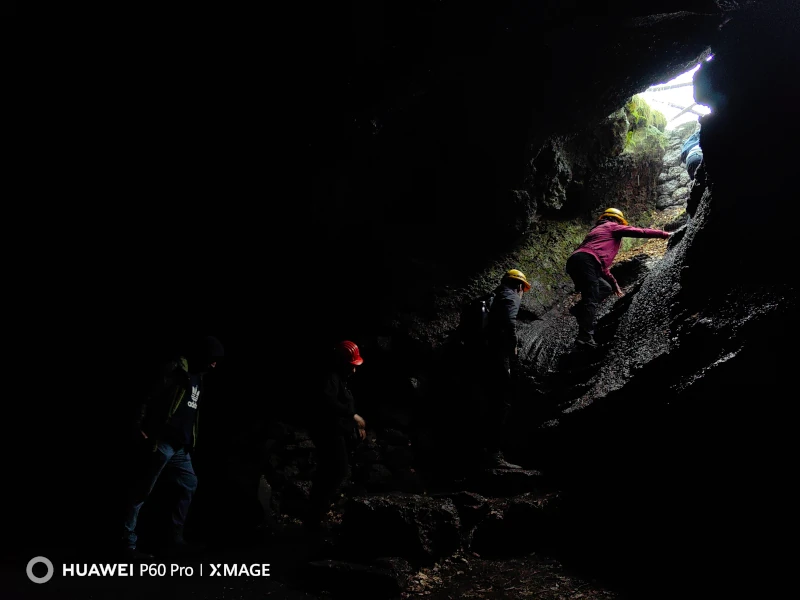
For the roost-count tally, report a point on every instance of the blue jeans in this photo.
(692, 162)
(176, 465)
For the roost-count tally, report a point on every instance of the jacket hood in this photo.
(214, 348)
(204, 351)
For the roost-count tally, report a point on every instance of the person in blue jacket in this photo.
(692, 153)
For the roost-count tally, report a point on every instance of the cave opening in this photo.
(675, 98)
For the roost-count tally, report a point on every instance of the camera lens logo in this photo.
(36, 561)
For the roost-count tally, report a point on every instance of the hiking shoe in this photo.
(497, 461)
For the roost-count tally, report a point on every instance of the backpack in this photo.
(473, 323)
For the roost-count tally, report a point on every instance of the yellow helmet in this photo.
(615, 213)
(519, 276)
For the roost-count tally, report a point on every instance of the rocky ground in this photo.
(478, 553)
(532, 576)
(463, 575)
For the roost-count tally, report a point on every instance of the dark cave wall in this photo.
(344, 149)
(679, 475)
(456, 121)
(580, 174)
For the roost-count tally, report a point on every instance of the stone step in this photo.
(517, 525)
(424, 529)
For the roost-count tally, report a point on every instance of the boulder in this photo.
(377, 478)
(668, 187)
(472, 507)
(666, 201)
(523, 524)
(681, 194)
(407, 480)
(398, 457)
(676, 173)
(418, 528)
(294, 497)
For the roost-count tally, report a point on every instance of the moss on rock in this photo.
(542, 256)
(647, 125)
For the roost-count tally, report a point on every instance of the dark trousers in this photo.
(172, 464)
(499, 387)
(692, 162)
(333, 467)
(586, 274)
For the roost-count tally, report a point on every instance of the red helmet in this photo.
(349, 352)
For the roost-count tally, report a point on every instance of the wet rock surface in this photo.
(674, 184)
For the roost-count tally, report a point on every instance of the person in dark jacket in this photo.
(589, 266)
(502, 361)
(692, 153)
(334, 424)
(165, 430)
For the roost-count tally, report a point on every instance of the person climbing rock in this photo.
(502, 361)
(589, 267)
(333, 426)
(164, 429)
(692, 153)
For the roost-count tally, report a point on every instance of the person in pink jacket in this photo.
(589, 267)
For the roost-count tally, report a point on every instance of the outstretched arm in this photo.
(621, 231)
(639, 232)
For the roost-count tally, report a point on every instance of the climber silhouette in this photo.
(589, 267)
